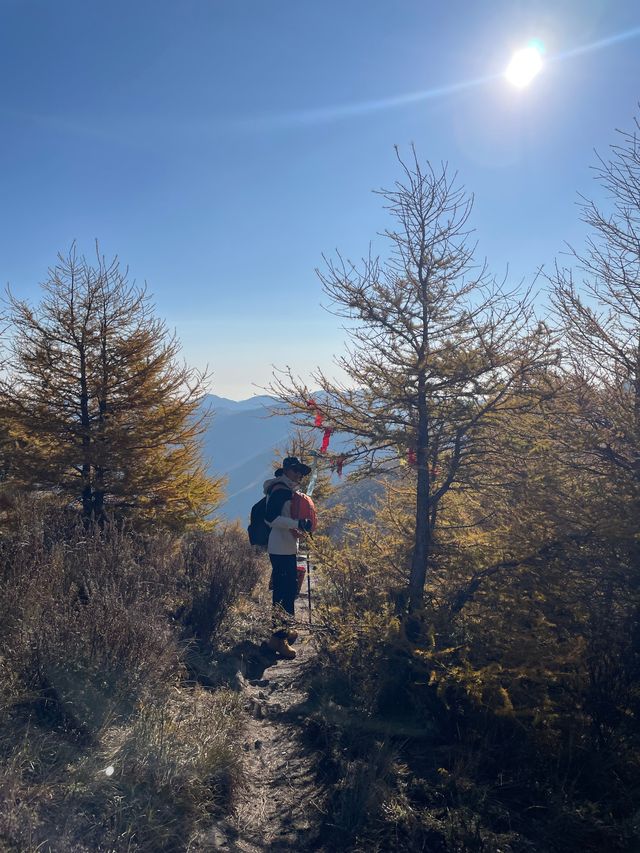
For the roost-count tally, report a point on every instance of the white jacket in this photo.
(283, 538)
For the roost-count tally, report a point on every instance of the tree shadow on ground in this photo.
(228, 668)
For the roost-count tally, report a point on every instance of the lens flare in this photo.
(525, 64)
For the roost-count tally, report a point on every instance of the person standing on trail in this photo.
(283, 549)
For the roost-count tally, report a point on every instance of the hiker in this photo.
(283, 549)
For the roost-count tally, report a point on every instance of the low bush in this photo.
(218, 570)
(83, 621)
(102, 744)
(507, 725)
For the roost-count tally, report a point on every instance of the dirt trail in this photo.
(281, 809)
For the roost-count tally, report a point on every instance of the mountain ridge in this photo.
(239, 443)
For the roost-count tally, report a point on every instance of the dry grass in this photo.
(92, 678)
(148, 785)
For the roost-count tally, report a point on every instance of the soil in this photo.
(281, 805)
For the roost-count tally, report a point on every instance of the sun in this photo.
(525, 65)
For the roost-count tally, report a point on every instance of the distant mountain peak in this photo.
(225, 404)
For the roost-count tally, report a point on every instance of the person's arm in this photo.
(274, 514)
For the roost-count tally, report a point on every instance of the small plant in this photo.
(219, 568)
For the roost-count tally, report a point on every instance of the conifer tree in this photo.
(440, 352)
(102, 413)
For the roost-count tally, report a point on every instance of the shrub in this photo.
(83, 620)
(218, 569)
(91, 677)
(514, 717)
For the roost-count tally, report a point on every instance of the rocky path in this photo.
(281, 806)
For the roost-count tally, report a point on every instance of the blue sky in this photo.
(219, 148)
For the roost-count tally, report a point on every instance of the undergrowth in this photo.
(508, 725)
(105, 741)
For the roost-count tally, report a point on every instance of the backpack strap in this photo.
(276, 487)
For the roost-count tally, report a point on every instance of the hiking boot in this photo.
(290, 634)
(280, 645)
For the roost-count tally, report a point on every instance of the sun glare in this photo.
(525, 65)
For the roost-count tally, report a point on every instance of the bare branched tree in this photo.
(440, 352)
(600, 317)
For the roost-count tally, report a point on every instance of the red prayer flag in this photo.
(311, 404)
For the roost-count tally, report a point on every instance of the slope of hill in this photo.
(240, 444)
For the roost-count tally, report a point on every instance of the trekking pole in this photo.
(309, 583)
(310, 488)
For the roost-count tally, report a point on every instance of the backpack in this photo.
(258, 528)
(303, 507)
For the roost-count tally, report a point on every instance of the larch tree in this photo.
(440, 353)
(599, 424)
(101, 411)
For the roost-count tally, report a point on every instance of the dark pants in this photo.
(284, 577)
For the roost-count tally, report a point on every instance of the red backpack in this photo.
(303, 507)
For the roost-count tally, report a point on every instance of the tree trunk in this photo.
(98, 504)
(636, 424)
(99, 488)
(87, 497)
(422, 544)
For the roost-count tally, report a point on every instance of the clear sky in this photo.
(219, 147)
